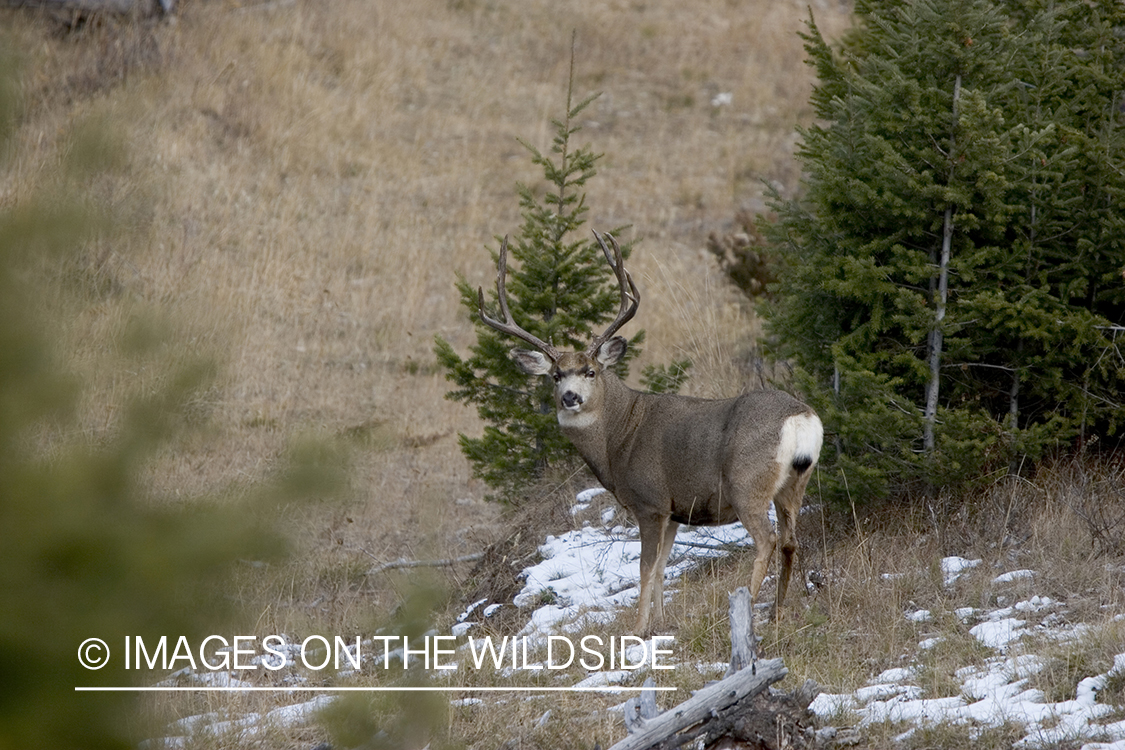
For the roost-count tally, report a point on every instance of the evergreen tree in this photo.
(562, 292)
(946, 294)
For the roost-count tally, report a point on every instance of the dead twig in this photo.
(404, 563)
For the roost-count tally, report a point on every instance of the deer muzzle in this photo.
(571, 400)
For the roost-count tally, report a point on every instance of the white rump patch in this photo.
(801, 437)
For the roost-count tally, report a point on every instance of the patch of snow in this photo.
(586, 496)
(607, 677)
(999, 633)
(715, 666)
(298, 713)
(597, 570)
(991, 695)
(895, 674)
(884, 691)
(243, 727)
(833, 704)
(469, 610)
(953, 568)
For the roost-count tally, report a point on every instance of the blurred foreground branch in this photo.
(141, 8)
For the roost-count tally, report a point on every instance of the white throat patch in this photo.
(575, 418)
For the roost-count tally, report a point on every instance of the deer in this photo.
(670, 459)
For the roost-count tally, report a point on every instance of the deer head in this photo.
(577, 375)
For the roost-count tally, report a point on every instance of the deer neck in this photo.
(593, 431)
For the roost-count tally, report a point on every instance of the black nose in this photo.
(571, 399)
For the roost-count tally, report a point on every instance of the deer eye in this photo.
(591, 374)
(556, 376)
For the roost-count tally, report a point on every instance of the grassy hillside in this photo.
(304, 180)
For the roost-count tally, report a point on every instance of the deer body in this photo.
(674, 460)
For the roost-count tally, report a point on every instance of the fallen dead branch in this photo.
(142, 8)
(740, 711)
(444, 563)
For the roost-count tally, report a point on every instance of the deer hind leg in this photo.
(760, 530)
(752, 506)
(653, 533)
(788, 506)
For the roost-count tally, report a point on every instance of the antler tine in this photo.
(630, 297)
(508, 325)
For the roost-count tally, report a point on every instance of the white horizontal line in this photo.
(412, 688)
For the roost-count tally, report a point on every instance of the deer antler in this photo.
(508, 325)
(630, 297)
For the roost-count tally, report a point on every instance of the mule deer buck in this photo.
(672, 459)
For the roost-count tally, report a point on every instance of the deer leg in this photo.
(752, 506)
(765, 540)
(788, 505)
(787, 543)
(652, 543)
(658, 574)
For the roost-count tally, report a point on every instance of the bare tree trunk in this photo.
(937, 337)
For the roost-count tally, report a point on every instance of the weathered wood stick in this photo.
(705, 703)
(743, 645)
(638, 710)
(404, 563)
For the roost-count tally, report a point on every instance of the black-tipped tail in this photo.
(801, 464)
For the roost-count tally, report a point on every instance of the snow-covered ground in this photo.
(998, 692)
(588, 574)
(591, 572)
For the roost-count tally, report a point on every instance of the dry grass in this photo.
(304, 180)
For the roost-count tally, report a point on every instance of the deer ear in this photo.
(533, 363)
(611, 352)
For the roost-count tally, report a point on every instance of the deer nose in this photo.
(571, 400)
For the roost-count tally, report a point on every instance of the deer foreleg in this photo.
(653, 531)
(658, 574)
